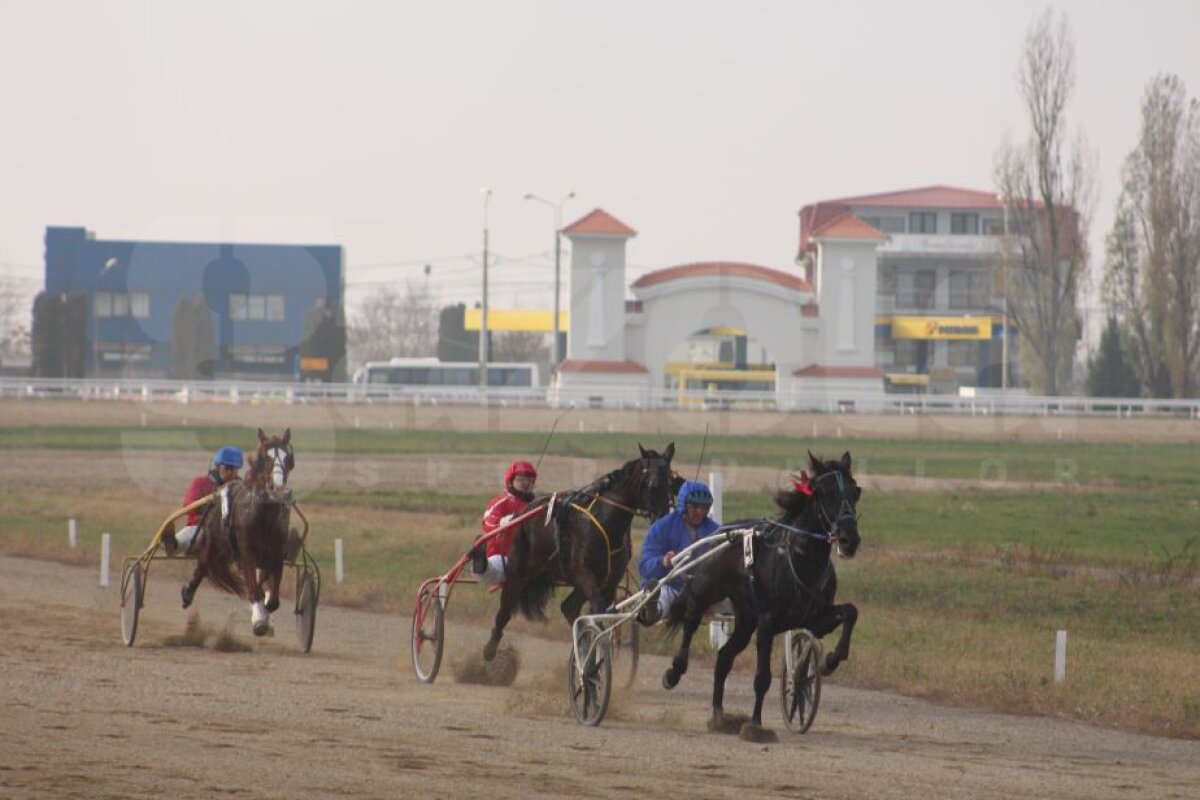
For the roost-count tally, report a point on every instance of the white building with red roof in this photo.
(896, 284)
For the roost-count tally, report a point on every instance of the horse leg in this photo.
(845, 615)
(572, 604)
(743, 629)
(189, 589)
(260, 620)
(510, 594)
(753, 731)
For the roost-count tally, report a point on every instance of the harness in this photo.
(609, 551)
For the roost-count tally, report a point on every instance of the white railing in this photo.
(612, 396)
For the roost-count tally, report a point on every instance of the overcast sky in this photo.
(706, 126)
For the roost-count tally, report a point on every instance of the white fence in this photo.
(615, 396)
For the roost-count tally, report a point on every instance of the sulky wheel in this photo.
(801, 690)
(428, 635)
(589, 686)
(306, 611)
(133, 590)
(625, 649)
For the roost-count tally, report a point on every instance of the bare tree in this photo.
(1153, 270)
(1047, 189)
(14, 313)
(391, 323)
(520, 346)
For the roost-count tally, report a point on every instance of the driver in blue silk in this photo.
(669, 535)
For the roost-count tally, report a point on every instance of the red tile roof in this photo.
(847, 226)
(731, 269)
(926, 197)
(822, 371)
(579, 365)
(599, 221)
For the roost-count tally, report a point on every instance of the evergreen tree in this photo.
(1110, 371)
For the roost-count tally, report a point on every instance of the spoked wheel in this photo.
(801, 692)
(132, 592)
(625, 648)
(306, 611)
(428, 635)
(589, 685)
(626, 645)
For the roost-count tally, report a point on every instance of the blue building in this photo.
(257, 297)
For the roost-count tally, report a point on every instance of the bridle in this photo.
(846, 511)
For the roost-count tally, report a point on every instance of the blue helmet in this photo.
(695, 493)
(228, 457)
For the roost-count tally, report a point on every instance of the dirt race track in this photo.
(86, 717)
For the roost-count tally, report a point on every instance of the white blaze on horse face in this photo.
(277, 475)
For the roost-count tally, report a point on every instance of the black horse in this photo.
(583, 541)
(790, 584)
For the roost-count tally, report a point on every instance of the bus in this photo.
(430, 373)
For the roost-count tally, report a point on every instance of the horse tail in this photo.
(677, 611)
(535, 594)
(219, 563)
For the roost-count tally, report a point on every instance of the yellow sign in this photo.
(941, 327)
(314, 364)
(517, 319)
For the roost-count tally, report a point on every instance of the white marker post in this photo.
(105, 549)
(716, 485)
(1060, 657)
(338, 569)
(73, 532)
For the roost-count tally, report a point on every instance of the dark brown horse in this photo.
(248, 526)
(583, 541)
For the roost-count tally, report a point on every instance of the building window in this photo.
(993, 226)
(906, 354)
(922, 222)
(886, 224)
(961, 353)
(256, 307)
(964, 224)
(968, 289)
(915, 289)
(120, 304)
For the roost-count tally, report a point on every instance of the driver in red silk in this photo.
(488, 562)
(225, 466)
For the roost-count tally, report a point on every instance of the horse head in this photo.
(654, 471)
(271, 464)
(835, 497)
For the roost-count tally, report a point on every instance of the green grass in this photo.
(1123, 464)
(960, 593)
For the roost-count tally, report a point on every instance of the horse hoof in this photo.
(720, 722)
(188, 594)
(670, 680)
(830, 665)
(757, 733)
(273, 605)
(262, 628)
(489, 649)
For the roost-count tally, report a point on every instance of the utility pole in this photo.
(483, 321)
(1004, 333)
(558, 207)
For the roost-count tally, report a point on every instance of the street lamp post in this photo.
(558, 207)
(109, 265)
(483, 320)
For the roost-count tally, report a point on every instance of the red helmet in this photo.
(520, 468)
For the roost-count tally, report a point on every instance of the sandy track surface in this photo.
(86, 717)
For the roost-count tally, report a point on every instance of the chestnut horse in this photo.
(249, 527)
